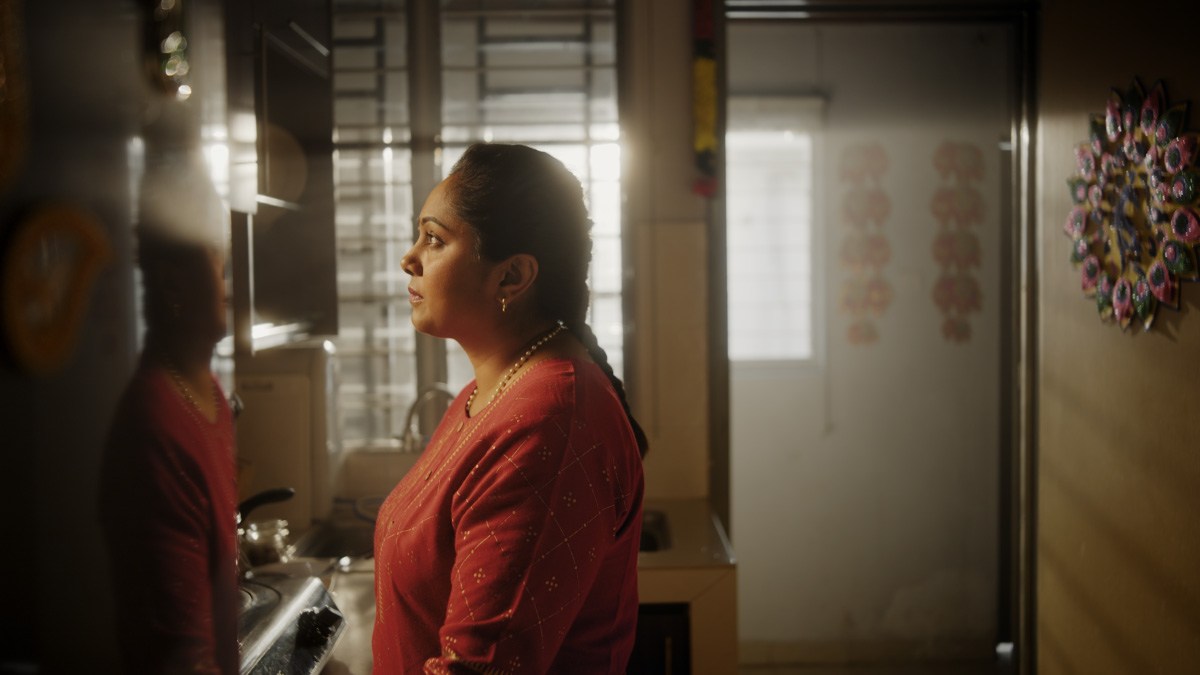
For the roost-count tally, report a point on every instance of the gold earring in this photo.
(503, 305)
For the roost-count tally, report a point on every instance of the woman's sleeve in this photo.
(159, 536)
(533, 522)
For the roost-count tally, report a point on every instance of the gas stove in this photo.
(286, 625)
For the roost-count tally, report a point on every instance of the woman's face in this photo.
(203, 302)
(191, 302)
(450, 291)
(216, 300)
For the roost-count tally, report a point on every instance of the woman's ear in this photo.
(517, 276)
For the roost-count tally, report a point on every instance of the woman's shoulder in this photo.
(563, 378)
(146, 448)
(144, 400)
(564, 387)
(152, 418)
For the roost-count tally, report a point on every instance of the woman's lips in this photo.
(414, 297)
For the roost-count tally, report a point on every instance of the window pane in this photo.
(373, 221)
(769, 229)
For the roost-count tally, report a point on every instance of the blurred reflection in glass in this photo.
(168, 494)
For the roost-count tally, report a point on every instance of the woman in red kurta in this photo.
(511, 546)
(168, 504)
(168, 497)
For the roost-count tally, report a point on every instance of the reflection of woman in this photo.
(167, 496)
(511, 546)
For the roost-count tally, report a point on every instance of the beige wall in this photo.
(667, 221)
(865, 483)
(1118, 561)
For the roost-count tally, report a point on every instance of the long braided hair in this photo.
(521, 200)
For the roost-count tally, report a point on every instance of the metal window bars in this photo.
(414, 84)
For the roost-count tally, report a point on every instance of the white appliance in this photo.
(287, 432)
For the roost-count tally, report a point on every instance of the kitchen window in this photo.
(518, 71)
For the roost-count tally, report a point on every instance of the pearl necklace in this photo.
(179, 383)
(516, 366)
(187, 393)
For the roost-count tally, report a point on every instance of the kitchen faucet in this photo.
(424, 396)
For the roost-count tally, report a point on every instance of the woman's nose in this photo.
(408, 263)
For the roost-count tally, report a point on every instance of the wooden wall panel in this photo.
(1119, 441)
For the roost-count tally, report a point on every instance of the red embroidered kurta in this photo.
(168, 499)
(511, 546)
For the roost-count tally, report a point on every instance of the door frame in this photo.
(1016, 591)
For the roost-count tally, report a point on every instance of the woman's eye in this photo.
(430, 239)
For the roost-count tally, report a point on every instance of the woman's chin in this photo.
(423, 327)
(427, 325)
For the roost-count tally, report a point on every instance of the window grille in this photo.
(538, 72)
(770, 146)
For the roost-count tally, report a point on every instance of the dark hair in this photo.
(157, 252)
(180, 221)
(521, 200)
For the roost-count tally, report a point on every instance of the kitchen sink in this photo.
(356, 539)
(655, 535)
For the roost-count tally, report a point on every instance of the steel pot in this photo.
(265, 541)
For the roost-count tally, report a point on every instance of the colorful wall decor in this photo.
(865, 250)
(47, 271)
(1135, 223)
(957, 206)
(704, 98)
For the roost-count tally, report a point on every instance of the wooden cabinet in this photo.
(279, 76)
(688, 590)
(663, 643)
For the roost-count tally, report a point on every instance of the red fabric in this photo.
(167, 504)
(511, 546)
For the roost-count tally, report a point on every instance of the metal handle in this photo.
(265, 497)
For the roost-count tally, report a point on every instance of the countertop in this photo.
(697, 538)
(697, 542)
(353, 589)
(698, 570)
